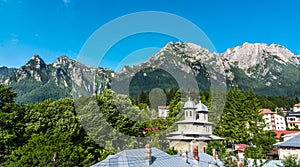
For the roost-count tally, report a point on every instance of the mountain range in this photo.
(267, 69)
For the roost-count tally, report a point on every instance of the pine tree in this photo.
(255, 119)
(233, 123)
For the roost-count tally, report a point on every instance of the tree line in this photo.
(31, 133)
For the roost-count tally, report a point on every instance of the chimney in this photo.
(195, 153)
(185, 156)
(214, 154)
(148, 154)
(240, 163)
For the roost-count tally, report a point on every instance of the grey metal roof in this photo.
(201, 107)
(204, 160)
(189, 132)
(199, 138)
(216, 137)
(136, 158)
(193, 122)
(189, 104)
(292, 142)
(271, 163)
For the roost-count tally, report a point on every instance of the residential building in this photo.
(293, 120)
(296, 107)
(290, 146)
(194, 129)
(163, 112)
(273, 120)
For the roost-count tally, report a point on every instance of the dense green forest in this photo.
(86, 130)
(31, 134)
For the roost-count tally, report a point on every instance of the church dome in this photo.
(189, 104)
(201, 107)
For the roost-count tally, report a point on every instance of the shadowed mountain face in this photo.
(37, 81)
(268, 69)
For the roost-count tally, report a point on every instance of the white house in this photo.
(163, 112)
(273, 120)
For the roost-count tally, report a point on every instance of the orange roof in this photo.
(297, 105)
(240, 147)
(280, 132)
(266, 111)
(162, 107)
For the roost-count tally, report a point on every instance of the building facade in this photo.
(163, 112)
(296, 107)
(273, 120)
(293, 120)
(194, 130)
(290, 146)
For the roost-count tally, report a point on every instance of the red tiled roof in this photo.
(163, 107)
(240, 147)
(297, 105)
(279, 132)
(266, 111)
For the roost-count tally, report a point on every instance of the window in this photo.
(190, 113)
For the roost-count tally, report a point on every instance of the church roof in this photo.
(189, 104)
(200, 138)
(190, 132)
(193, 122)
(201, 107)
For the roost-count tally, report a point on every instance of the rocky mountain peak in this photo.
(249, 55)
(184, 46)
(62, 61)
(185, 51)
(36, 62)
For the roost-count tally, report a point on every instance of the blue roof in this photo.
(136, 158)
(204, 160)
(270, 163)
(292, 142)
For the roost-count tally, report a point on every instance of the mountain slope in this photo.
(37, 81)
(268, 69)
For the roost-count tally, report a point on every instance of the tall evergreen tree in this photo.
(255, 120)
(242, 123)
(233, 123)
(10, 116)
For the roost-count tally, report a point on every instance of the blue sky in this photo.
(61, 27)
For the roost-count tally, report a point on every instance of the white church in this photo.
(194, 130)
